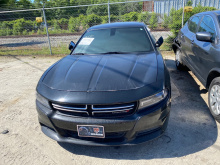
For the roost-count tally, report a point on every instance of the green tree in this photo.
(153, 21)
(24, 4)
(189, 3)
(166, 21)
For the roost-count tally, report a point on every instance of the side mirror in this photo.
(72, 45)
(159, 42)
(204, 36)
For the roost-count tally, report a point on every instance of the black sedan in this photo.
(113, 89)
(197, 47)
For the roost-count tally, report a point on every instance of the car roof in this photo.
(215, 12)
(117, 25)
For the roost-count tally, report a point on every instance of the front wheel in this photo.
(179, 64)
(214, 98)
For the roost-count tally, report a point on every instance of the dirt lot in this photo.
(191, 137)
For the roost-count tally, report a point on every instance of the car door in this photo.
(189, 37)
(204, 51)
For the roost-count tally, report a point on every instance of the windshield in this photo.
(114, 40)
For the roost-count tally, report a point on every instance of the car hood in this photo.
(102, 72)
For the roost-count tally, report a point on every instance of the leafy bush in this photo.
(2, 32)
(8, 32)
(63, 23)
(20, 25)
(166, 21)
(153, 21)
(98, 10)
(31, 32)
(38, 31)
(113, 18)
(43, 31)
(93, 19)
(104, 19)
(73, 24)
(167, 45)
(56, 25)
(83, 22)
(200, 8)
(132, 16)
(175, 20)
(176, 17)
(144, 17)
(25, 32)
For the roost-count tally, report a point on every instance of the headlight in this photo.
(42, 100)
(153, 99)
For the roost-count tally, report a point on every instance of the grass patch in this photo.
(167, 53)
(25, 51)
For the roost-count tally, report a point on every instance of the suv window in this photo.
(193, 24)
(207, 25)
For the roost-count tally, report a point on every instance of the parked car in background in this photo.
(197, 46)
(113, 89)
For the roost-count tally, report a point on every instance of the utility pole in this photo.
(183, 12)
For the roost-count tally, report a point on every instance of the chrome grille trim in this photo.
(68, 107)
(113, 111)
(113, 108)
(105, 110)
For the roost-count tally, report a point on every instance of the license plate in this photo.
(96, 131)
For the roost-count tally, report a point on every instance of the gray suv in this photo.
(197, 47)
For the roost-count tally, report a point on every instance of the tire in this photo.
(179, 64)
(214, 98)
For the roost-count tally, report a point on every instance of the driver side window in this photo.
(192, 24)
(207, 25)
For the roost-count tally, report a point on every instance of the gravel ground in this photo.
(191, 137)
(55, 40)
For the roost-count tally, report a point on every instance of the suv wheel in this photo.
(179, 64)
(214, 98)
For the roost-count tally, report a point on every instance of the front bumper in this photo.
(142, 126)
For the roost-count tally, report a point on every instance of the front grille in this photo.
(113, 110)
(96, 110)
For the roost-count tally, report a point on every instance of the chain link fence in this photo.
(21, 34)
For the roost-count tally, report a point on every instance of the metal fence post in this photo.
(169, 8)
(45, 21)
(164, 8)
(160, 8)
(183, 12)
(109, 21)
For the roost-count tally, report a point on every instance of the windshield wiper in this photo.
(115, 53)
(78, 54)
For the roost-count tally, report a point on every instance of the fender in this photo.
(213, 73)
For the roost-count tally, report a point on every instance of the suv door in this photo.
(189, 37)
(204, 51)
